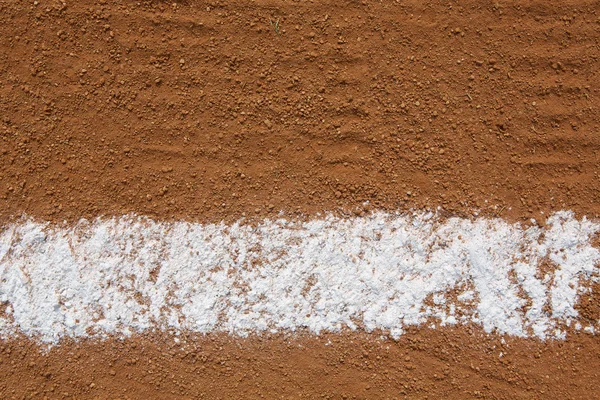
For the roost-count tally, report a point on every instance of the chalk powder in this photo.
(384, 271)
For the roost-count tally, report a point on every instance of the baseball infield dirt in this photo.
(227, 110)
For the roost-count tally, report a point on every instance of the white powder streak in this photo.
(384, 271)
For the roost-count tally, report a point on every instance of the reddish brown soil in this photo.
(202, 111)
(454, 364)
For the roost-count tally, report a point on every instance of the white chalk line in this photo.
(383, 272)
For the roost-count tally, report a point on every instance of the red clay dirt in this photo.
(210, 111)
(201, 110)
(434, 364)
